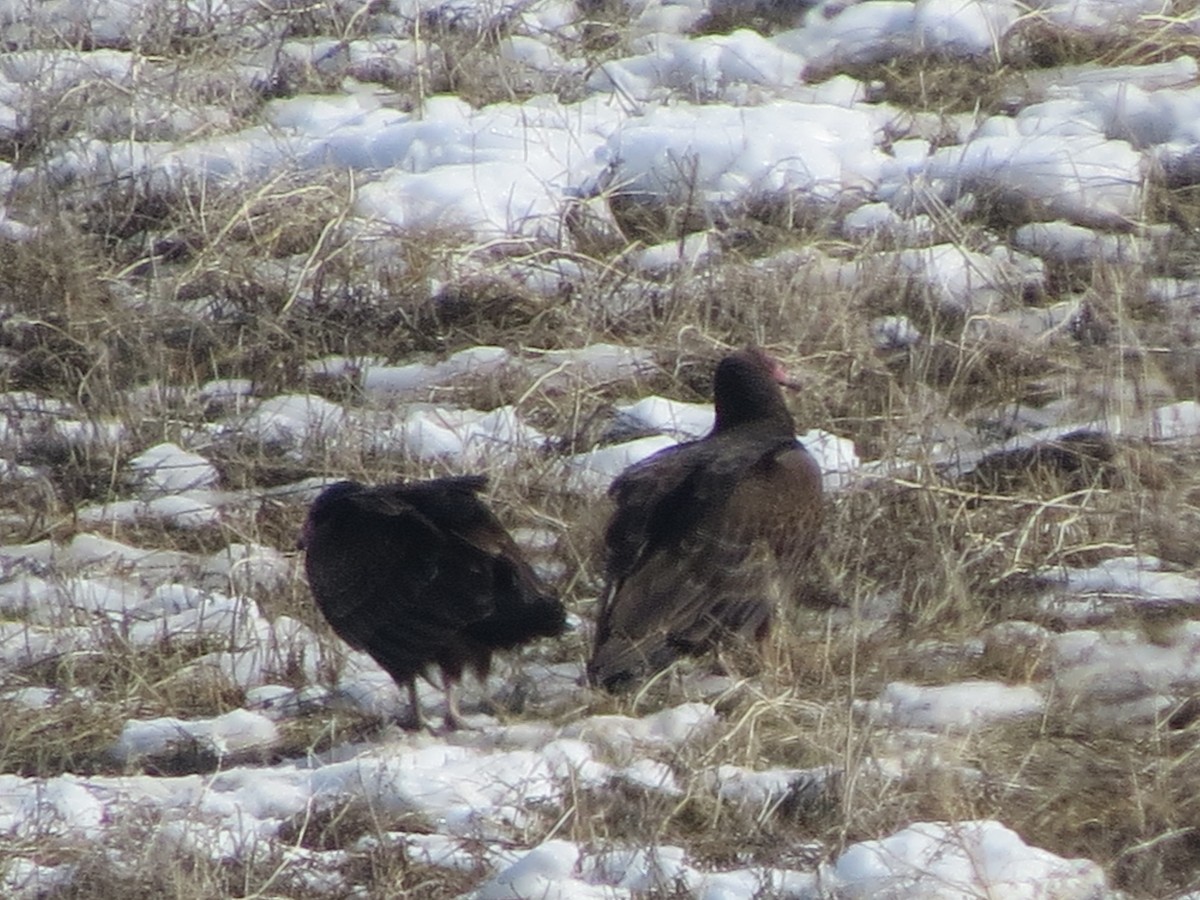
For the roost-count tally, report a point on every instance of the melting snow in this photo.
(420, 378)
(289, 421)
(719, 122)
(967, 704)
(686, 421)
(959, 861)
(234, 731)
(169, 469)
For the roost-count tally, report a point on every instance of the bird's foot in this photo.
(453, 721)
(414, 719)
(413, 722)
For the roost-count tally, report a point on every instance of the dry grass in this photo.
(106, 299)
(948, 552)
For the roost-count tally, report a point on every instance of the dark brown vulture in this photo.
(706, 534)
(422, 575)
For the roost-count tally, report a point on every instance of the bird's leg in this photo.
(415, 720)
(717, 664)
(454, 720)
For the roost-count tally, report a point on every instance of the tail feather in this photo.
(544, 616)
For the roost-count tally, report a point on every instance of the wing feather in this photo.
(391, 582)
(680, 545)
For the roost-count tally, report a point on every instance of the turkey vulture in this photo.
(421, 575)
(706, 533)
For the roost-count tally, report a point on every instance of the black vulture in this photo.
(423, 575)
(706, 534)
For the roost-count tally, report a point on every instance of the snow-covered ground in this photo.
(582, 111)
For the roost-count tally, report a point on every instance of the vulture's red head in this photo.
(746, 389)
